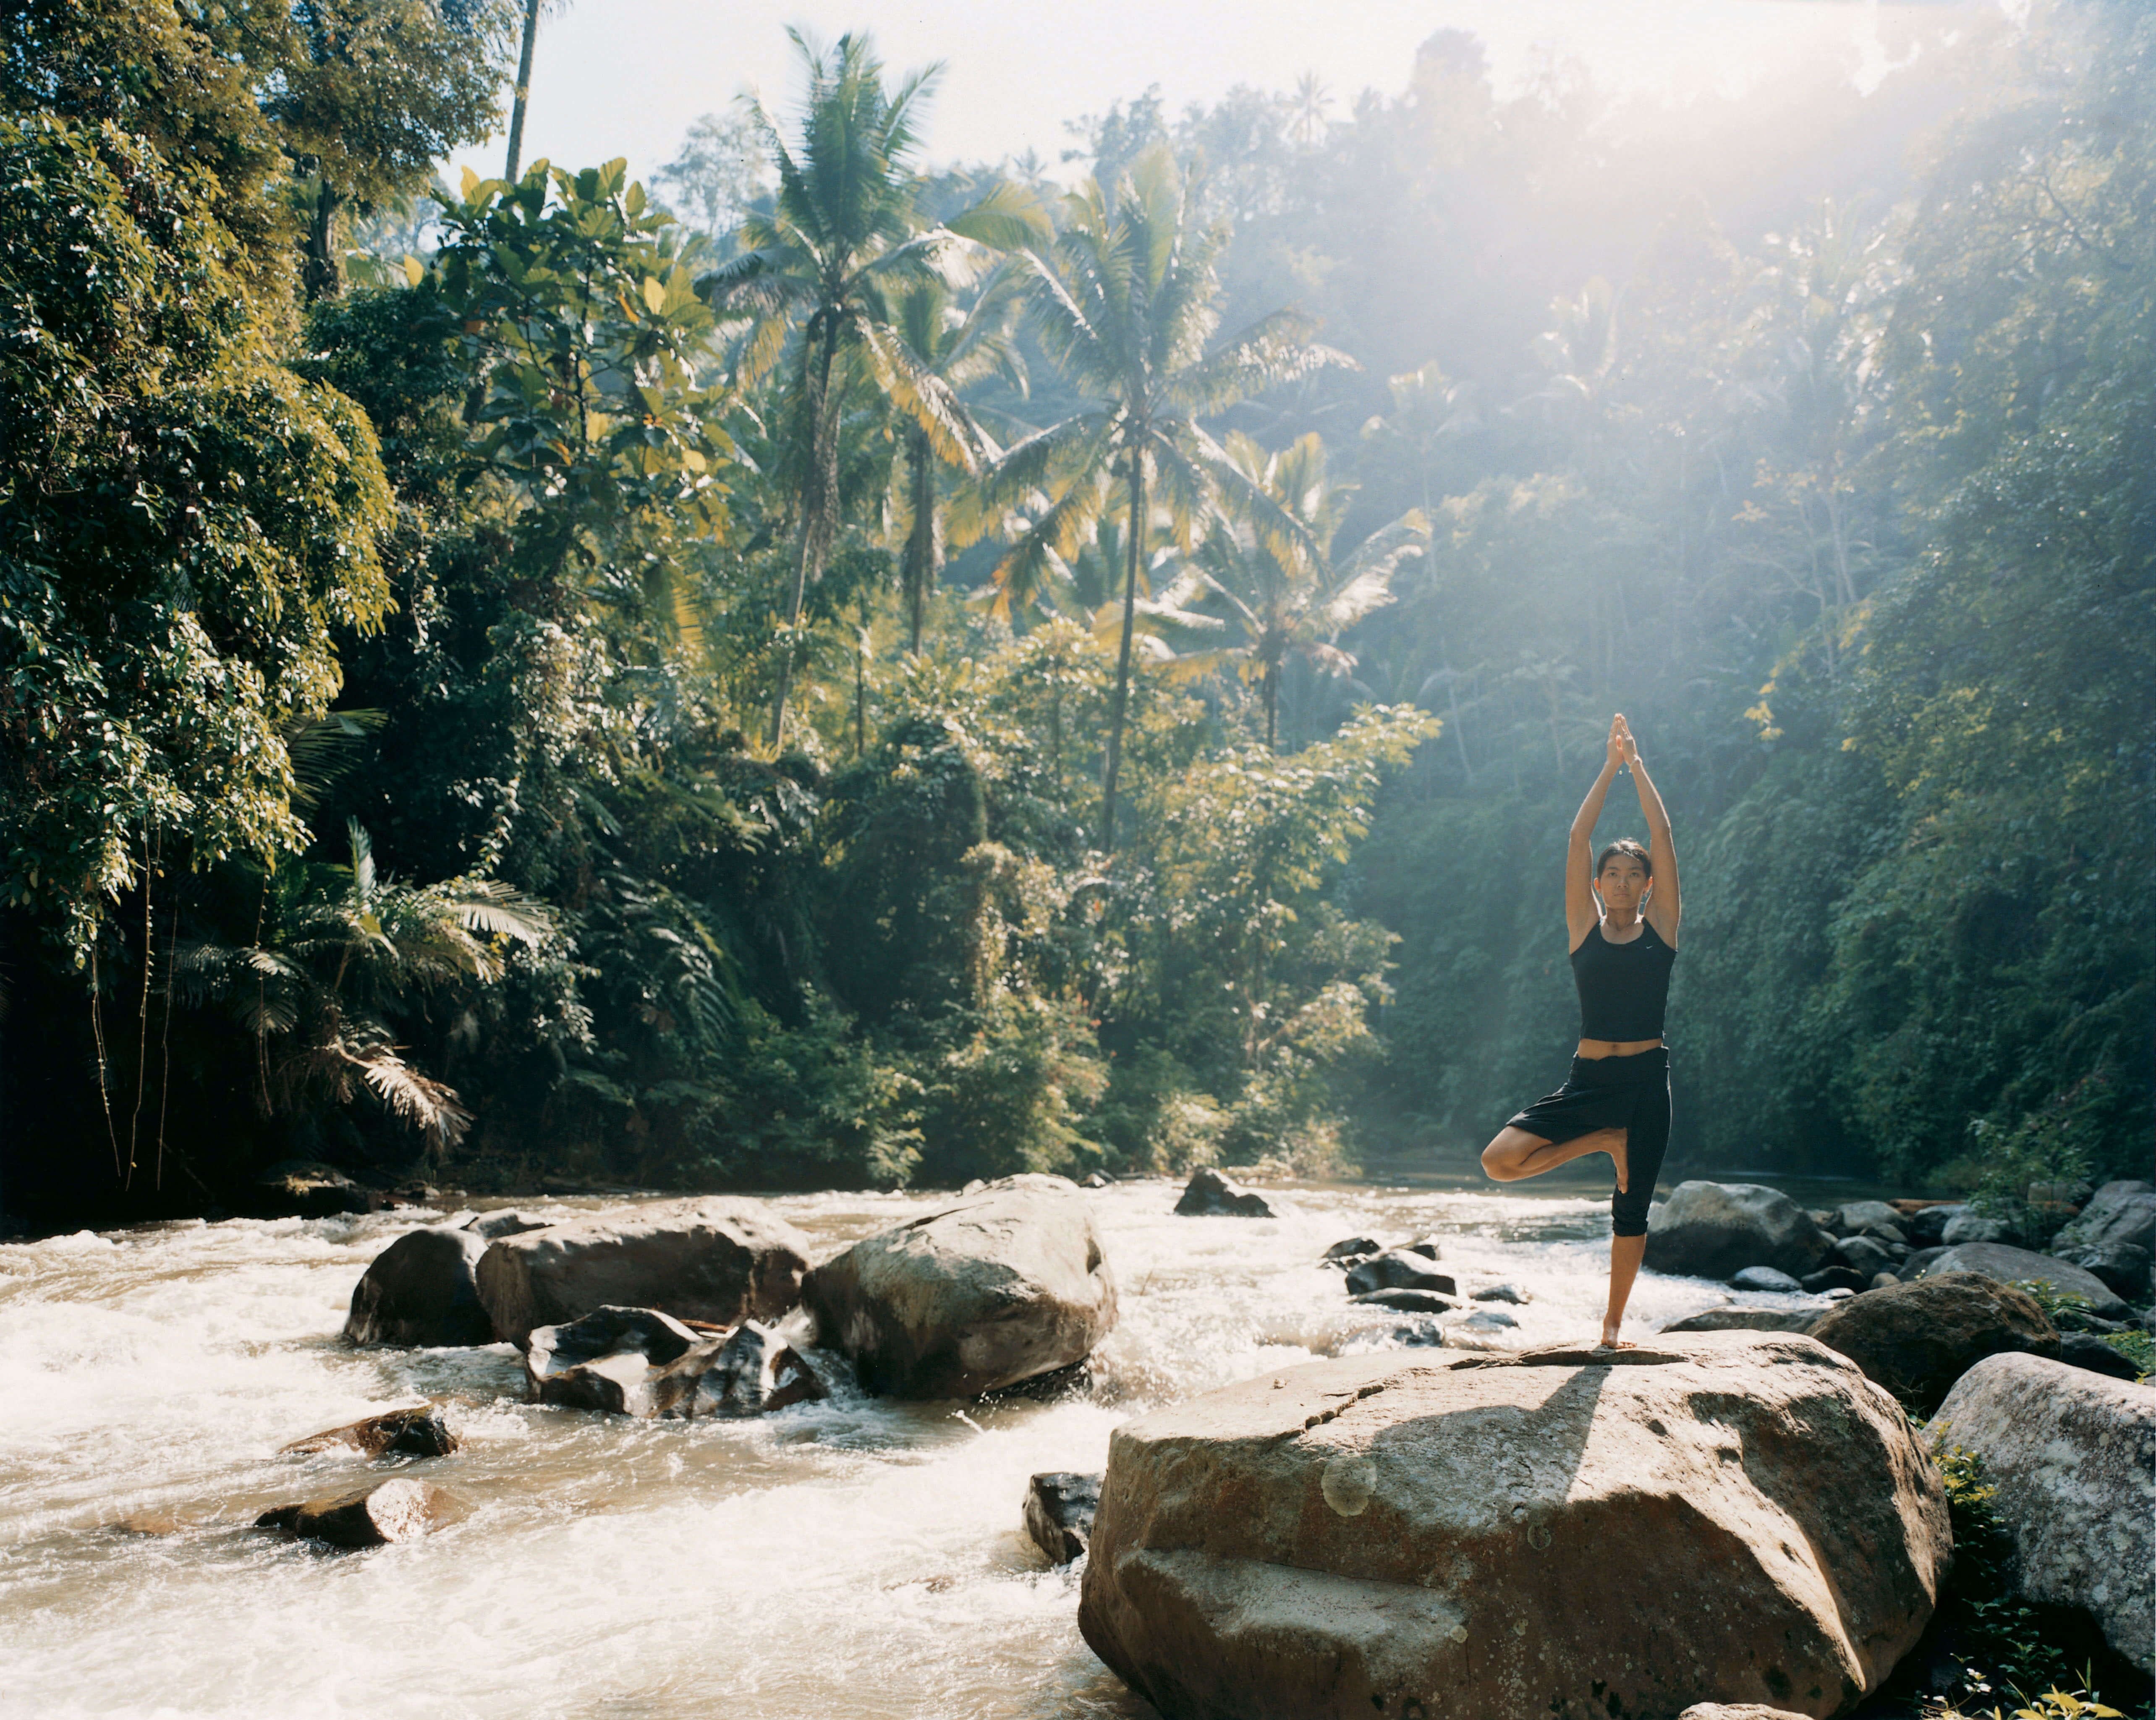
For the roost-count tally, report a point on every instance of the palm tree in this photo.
(961, 345)
(1293, 604)
(843, 236)
(340, 949)
(1126, 302)
(532, 8)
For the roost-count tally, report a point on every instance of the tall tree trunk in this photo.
(924, 542)
(523, 89)
(1272, 707)
(319, 277)
(1122, 701)
(819, 509)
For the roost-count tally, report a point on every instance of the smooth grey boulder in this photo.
(1511, 1293)
(2072, 1455)
(1763, 1278)
(1747, 1319)
(1398, 1269)
(1915, 1340)
(1004, 1286)
(2011, 1265)
(397, 1510)
(1208, 1193)
(1398, 1534)
(1059, 1512)
(716, 1259)
(1969, 1226)
(1861, 1255)
(422, 1291)
(418, 1431)
(2124, 1269)
(1713, 1229)
(1913, 1267)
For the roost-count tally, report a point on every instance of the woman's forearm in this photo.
(1650, 802)
(1590, 809)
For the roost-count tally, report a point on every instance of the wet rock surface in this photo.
(1383, 1535)
(398, 1509)
(422, 1291)
(1915, 1340)
(753, 1372)
(1747, 1319)
(1209, 1193)
(1005, 1285)
(2086, 1350)
(416, 1431)
(2072, 1456)
(1713, 1229)
(1399, 1269)
(717, 1260)
(1060, 1507)
(1409, 1302)
(1764, 1278)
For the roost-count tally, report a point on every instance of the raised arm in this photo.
(1580, 912)
(1664, 905)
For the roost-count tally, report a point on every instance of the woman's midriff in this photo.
(1595, 1049)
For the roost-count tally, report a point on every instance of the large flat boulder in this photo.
(1715, 1230)
(1916, 1339)
(2013, 1265)
(1003, 1285)
(715, 1260)
(2072, 1455)
(1377, 1536)
(423, 1291)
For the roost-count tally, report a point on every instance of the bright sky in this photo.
(627, 77)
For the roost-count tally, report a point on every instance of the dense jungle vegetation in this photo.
(799, 668)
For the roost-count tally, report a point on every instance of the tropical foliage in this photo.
(897, 676)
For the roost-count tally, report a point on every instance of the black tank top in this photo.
(1624, 988)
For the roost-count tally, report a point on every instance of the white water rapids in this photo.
(853, 1558)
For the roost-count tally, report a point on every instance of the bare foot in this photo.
(1611, 1342)
(1624, 1169)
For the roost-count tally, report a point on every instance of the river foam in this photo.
(849, 1557)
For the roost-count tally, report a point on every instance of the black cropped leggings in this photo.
(1629, 1093)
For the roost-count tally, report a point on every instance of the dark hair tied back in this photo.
(1626, 846)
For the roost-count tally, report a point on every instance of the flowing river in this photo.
(854, 1558)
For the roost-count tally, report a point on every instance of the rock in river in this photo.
(1764, 1278)
(1747, 1319)
(1059, 1512)
(421, 1289)
(617, 1360)
(1398, 1269)
(418, 1431)
(1210, 1193)
(1712, 1229)
(398, 1509)
(2009, 1265)
(1408, 1302)
(754, 1371)
(1918, 1339)
(1001, 1287)
(1383, 1537)
(717, 1260)
(2073, 1457)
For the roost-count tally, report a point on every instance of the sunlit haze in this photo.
(1016, 73)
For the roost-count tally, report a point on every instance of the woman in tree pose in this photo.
(1621, 912)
